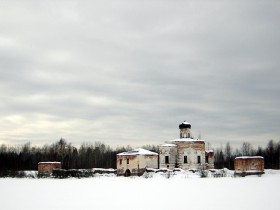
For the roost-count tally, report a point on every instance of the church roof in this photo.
(185, 125)
(168, 145)
(249, 157)
(138, 151)
(186, 140)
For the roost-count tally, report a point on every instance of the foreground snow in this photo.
(140, 193)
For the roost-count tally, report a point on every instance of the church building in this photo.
(185, 152)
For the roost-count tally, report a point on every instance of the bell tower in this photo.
(185, 130)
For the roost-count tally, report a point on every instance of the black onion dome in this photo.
(185, 125)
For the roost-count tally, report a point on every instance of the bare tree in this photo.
(246, 149)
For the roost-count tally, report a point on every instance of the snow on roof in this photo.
(209, 150)
(49, 163)
(138, 151)
(168, 145)
(185, 140)
(249, 157)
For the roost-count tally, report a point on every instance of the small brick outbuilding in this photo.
(247, 165)
(47, 167)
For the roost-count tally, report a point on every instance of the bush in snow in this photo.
(18, 174)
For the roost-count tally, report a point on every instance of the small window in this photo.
(166, 159)
(206, 159)
(185, 159)
(198, 159)
(120, 161)
(127, 161)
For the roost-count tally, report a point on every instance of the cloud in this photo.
(129, 72)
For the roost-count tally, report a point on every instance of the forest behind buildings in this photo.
(100, 155)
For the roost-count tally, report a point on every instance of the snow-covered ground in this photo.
(178, 192)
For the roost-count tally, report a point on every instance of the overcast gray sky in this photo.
(129, 72)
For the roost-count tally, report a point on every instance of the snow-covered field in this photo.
(179, 192)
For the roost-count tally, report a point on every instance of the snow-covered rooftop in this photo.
(49, 162)
(185, 125)
(186, 140)
(249, 157)
(138, 151)
(168, 145)
(209, 150)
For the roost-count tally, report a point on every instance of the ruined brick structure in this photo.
(45, 168)
(186, 152)
(136, 161)
(246, 165)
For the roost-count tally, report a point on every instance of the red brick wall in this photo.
(48, 167)
(248, 164)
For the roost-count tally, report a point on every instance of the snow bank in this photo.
(191, 173)
(82, 173)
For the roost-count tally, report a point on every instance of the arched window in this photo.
(185, 159)
(166, 159)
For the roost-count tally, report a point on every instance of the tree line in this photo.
(100, 155)
(224, 157)
(88, 155)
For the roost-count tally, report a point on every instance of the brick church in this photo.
(185, 152)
